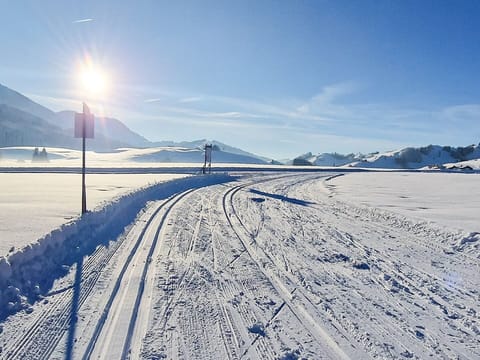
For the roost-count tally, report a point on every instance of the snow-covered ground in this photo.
(262, 266)
(448, 199)
(31, 205)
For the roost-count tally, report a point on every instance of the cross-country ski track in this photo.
(268, 266)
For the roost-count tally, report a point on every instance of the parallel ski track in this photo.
(230, 335)
(181, 284)
(168, 204)
(282, 289)
(50, 325)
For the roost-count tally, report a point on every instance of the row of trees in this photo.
(39, 156)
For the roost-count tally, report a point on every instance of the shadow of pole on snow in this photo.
(74, 310)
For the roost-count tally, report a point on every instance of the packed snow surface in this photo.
(262, 266)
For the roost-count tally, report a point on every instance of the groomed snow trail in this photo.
(288, 271)
(270, 266)
(113, 337)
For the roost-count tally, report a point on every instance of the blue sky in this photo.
(277, 78)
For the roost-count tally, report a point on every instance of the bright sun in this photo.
(93, 80)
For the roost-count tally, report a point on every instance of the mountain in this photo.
(407, 158)
(109, 133)
(325, 159)
(23, 122)
(20, 127)
(217, 145)
(416, 158)
(15, 99)
(108, 127)
(178, 154)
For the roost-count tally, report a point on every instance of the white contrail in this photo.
(81, 21)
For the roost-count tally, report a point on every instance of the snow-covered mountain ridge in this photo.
(406, 158)
(327, 159)
(24, 123)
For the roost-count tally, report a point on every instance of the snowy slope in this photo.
(20, 127)
(473, 164)
(15, 99)
(407, 158)
(217, 145)
(123, 156)
(329, 159)
(415, 158)
(109, 128)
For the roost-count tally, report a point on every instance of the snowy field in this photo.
(448, 199)
(258, 266)
(31, 205)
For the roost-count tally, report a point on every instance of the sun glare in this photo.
(93, 80)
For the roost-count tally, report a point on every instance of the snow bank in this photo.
(31, 271)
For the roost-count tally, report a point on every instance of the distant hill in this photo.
(464, 165)
(191, 155)
(407, 158)
(217, 146)
(416, 158)
(325, 159)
